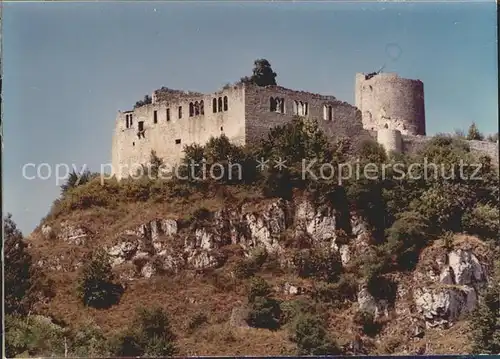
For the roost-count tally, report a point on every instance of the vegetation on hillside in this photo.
(405, 214)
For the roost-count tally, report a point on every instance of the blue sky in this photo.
(69, 67)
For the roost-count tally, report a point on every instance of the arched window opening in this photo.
(330, 113)
(295, 108)
(325, 112)
(280, 105)
(214, 105)
(272, 104)
(126, 121)
(220, 104)
(191, 109)
(196, 108)
(225, 103)
(202, 107)
(386, 126)
(130, 120)
(180, 112)
(306, 109)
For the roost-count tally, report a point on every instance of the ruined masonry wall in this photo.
(412, 144)
(390, 139)
(389, 101)
(345, 121)
(168, 138)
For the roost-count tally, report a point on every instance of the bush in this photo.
(18, 272)
(482, 220)
(247, 267)
(96, 287)
(310, 335)
(406, 238)
(77, 179)
(485, 321)
(264, 312)
(366, 322)
(149, 334)
(33, 336)
(343, 291)
(291, 309)
(258, 288)
(323, 264)
(474, 134)
(88, 341)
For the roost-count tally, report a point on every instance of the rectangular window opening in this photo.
(168, 114)
(141, 126)
(178, 141)
(180, 111)
(155, 116)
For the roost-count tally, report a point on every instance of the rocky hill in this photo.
(270, 267)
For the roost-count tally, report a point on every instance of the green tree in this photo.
(474, 134)
(76, 179)
(155, 165)
(264, 310)
(33, 336)
(18, 269)
(150, 334)
(322, 264)
(406, 238)
(146, 101)
(310, 335)
(96, 286)
(485, 321)
(263, 74)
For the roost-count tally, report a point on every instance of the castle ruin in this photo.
(387, 108)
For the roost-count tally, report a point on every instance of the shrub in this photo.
(310, 335)
(372, 152)
(88, 341)
(19, 272)
(485, 321)
(323, 264)
(258, 288)
(264, 312)
(474, 134)
(96, 286)
(33, 336)
(482, 220)
(493, 137)
(291, 309)
(344, 290)
(247, 267)
(77, 179)
(146, 101)
(406, 238)
(149, 334)
(366, 321)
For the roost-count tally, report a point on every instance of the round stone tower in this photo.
(387, 101)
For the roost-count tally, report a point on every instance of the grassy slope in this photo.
(187, 293)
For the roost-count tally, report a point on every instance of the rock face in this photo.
(199, 245)
(367, 303)
(449, 289)
(163, 245)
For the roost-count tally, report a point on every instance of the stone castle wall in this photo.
(389, 101)
(168, 136)
(389, 109)
(335, 118)
(412, 144)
